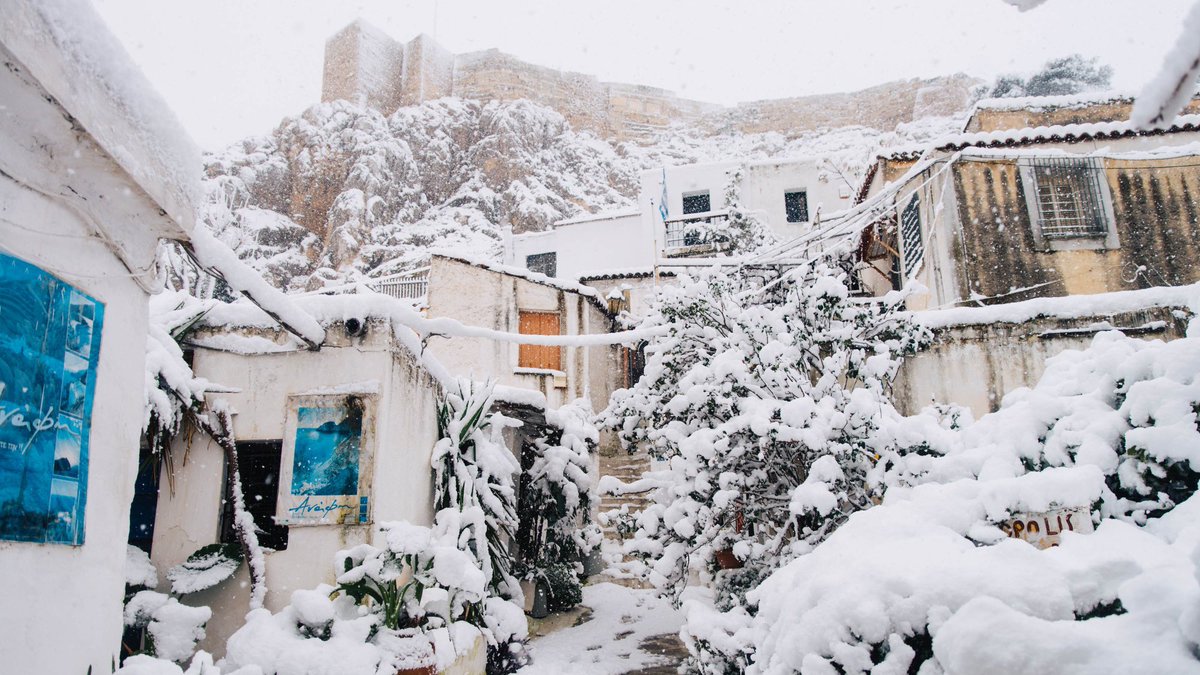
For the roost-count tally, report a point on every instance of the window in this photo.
(1069, 203)
(542, 263)
(539, 356)
(258, 462)
(910, 237)
(696, 202)
(633, 364)
(796, 205)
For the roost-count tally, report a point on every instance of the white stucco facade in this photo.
(606, 241)
(763, 186)
(81, 200)
(635, 239)
(403, 425)
(488, 298)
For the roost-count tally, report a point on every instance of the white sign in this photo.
(1043, 529)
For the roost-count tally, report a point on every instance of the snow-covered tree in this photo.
(764, 401)
(1064, 75)
(924, 582)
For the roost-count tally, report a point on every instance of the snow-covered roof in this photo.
(1041, 103)
(623, 273)
(67, 47)
(603, 215)
(520, 272)
(1062, 133)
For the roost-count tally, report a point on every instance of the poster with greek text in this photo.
(49, 348)
(325, 458)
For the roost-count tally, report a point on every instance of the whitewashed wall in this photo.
(405, 432)
(63, 603)
(489, 299)
(763, 186)
(587, 245)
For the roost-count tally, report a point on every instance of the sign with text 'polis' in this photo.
(1045, 529)
(49, 348)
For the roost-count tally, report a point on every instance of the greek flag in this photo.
(662, 201)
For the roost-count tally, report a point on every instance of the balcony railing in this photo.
(682, 231)
(408, 289)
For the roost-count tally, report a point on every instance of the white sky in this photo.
(234, 68)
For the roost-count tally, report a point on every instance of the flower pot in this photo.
(416, 653)
(726, 560)
(431, 669)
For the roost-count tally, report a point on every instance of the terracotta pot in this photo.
(430, 668)
(422, 670)
(726, 560)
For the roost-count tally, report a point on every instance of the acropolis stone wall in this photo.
(363, 64)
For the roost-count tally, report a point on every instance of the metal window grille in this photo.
(542, 263)
(910, 235)
(1069, 198)
(691, 231)
(796, 206)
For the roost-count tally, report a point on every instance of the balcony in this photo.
(405, 289)
(688, 235)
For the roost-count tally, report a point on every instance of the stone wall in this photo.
(363, 64)
(1156, 221)
(976, 365)
(996, 117)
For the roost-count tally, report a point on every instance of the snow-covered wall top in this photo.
(1068, 307)
(1067, 133)
(70, 51)
(522, 273)
(1081, 100)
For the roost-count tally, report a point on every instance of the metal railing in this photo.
(408, 289)
(683, 231)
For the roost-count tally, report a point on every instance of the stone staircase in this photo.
(626, 468)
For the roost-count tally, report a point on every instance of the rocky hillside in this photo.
(342, 191)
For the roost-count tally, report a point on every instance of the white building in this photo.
(363, 365)
(788, 195)
(574, 247)
(94, 171)
(510, 300)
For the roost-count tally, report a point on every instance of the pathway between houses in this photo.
(618, 631)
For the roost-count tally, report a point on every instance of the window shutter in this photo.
(539, 356)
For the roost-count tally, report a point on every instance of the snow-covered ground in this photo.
(610, 638)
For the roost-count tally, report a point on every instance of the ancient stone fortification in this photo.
(364, 64)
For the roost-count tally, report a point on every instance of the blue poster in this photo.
(49, 348)
(326, 453)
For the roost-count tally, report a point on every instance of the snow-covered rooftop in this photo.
(522, 273)
(67, 47)
(1040, 103)
(623, 273)
(603, 215)
(1062, 133)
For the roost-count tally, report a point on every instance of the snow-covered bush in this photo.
(424, 576)
(421, 599)
(474, 470)
(172, 628)
(556, 530)
(1126, 406)
(927, 581)
(765, 403)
